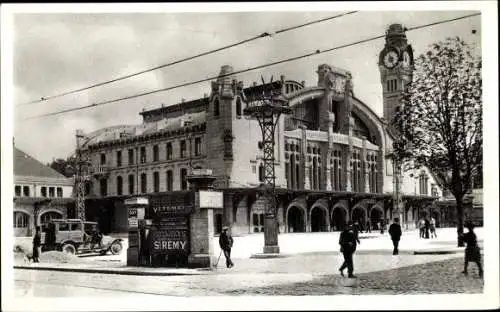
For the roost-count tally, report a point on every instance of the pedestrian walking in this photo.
(347, 242)
(472, 251)
(421, 226)
(427, 227)
(37, 245)
(368, 227)
(382, 225)
(355, 229)
(433, 228)
(226, 243)
(395, 233)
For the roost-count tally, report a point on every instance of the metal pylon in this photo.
(267, 109)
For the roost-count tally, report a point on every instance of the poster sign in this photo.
(132, 212)
(169, 241)
(209, 199)
(133, 239)
(133, 222)
(171, 205)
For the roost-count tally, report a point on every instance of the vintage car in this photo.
(77, 236)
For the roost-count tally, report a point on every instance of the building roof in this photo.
(25, 165)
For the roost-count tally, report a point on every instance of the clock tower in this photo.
(396, 68)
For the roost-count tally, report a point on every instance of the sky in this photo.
(58, 52)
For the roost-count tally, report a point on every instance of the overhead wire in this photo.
(316, 52)
(263, 35)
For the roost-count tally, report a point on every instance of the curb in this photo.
(106, 271)
(436, 252)
(268, 256)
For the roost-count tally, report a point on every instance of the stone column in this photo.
(347, 162)
(331, 119)
(307, 170)
(303, 160)
(201, 225)
(328, 172)
(365, 167)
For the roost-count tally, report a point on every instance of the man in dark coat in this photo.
(226, 243)
(37, 244)
(347, 242)
(395, 232)
(427, 227)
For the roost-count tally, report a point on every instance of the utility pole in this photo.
(397, 196)
(80, 177)
(267, 109)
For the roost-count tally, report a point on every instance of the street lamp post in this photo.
(267, 109)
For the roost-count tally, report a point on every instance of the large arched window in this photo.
(50, 215)
(119, 185)
(21, 219)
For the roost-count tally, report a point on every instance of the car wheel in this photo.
(116, 248)
(69, 249)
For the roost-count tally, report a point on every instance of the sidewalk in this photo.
(301, 253)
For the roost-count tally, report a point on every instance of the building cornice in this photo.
(144, 138)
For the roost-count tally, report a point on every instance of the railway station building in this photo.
(332, 154)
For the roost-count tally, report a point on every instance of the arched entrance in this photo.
(359, 215)
(339, 218)
(376, 216)
(49, 215)
(296, 220)
(319, 219)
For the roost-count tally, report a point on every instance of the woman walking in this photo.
(472, 251)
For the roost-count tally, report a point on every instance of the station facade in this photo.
(331, 155)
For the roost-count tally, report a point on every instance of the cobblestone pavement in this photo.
(440, 277)
(305, 274)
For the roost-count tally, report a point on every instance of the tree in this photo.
(440, 118)
(66, 167)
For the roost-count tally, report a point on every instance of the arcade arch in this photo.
(358, 214)
(339, 217)
(48, 215)
(319, 218)
(376, 215)
(296, 217)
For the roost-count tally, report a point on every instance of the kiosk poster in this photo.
(169, 241)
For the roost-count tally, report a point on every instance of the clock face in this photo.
(406, 59)
(391, 59)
